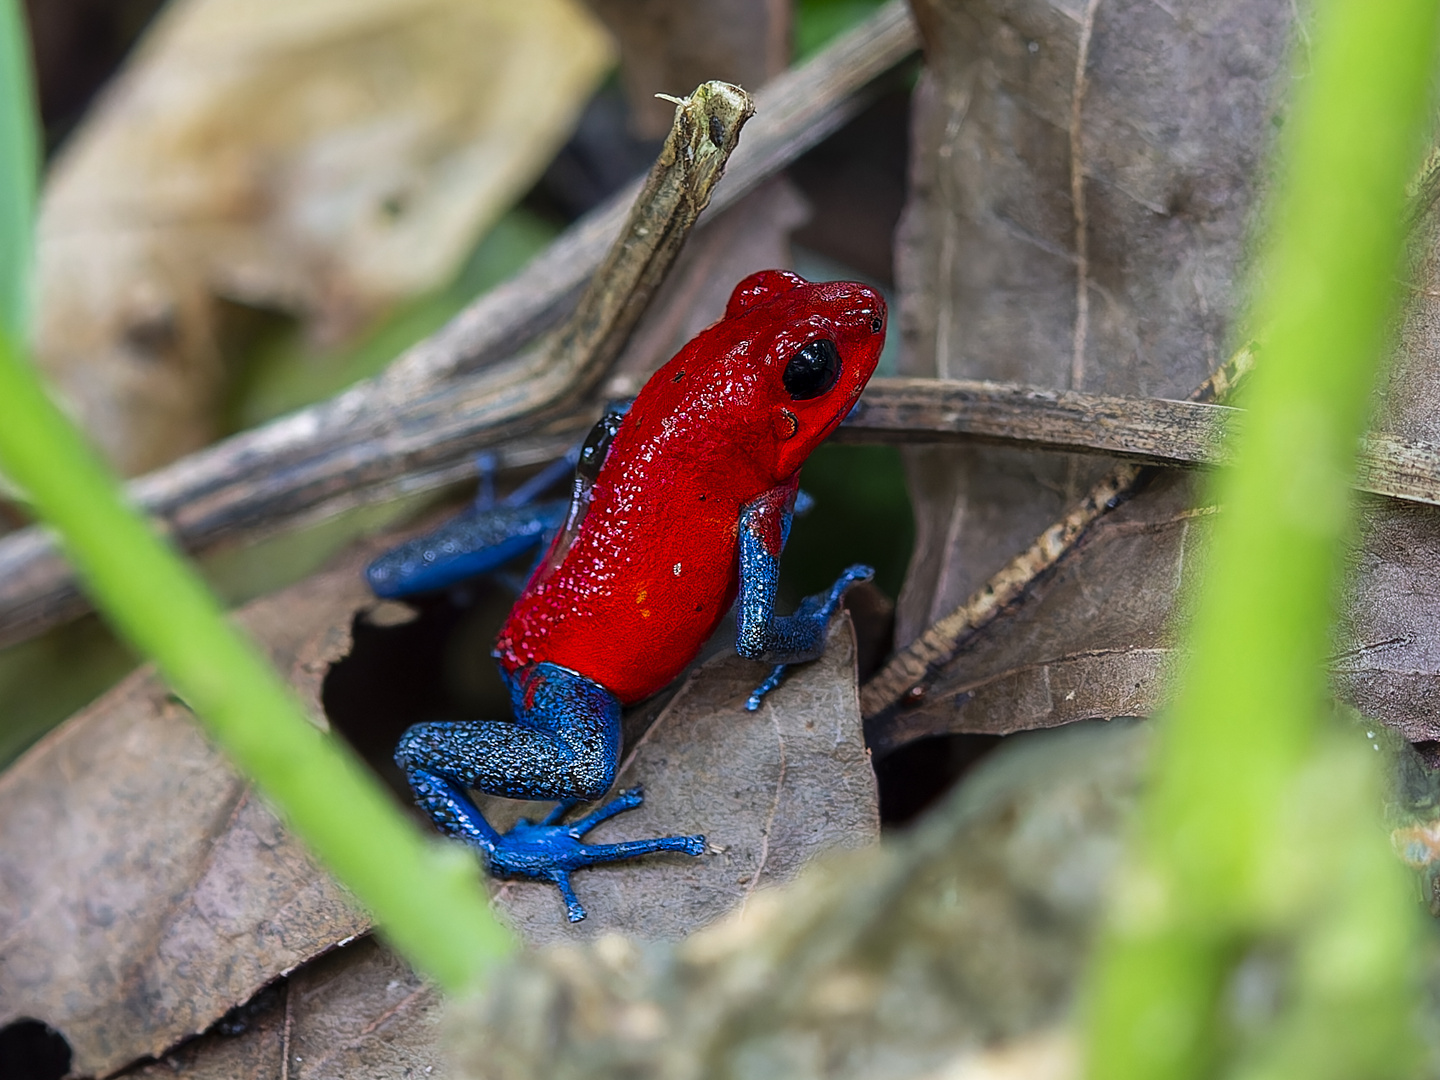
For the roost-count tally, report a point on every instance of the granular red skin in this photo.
(653, 566)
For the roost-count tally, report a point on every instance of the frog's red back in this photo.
(630, 595)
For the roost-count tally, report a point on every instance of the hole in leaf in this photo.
(915, 776)
(436, 666)
(33, 1050)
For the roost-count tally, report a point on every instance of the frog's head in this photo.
(771, 379)
(816, 345)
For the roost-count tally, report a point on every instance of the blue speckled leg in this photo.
(479, 540)
(564, 745)
(487, 465)
(761, 634)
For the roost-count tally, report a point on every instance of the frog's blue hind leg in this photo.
(486, 465)
(565, 744)
(781, 640)
(479, 540)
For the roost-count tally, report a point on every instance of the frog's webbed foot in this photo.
(545, 850)
(551, 851)
(812, 619)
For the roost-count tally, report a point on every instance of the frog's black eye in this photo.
(813, 370)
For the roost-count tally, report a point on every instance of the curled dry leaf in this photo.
(326, 159)
(144, 888)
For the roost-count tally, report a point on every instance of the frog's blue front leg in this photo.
(761, 634)
(564, 745)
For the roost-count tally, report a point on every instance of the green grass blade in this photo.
(19, 167)
(425, 895)
(1244, 732)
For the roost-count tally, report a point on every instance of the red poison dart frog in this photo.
(679, 506)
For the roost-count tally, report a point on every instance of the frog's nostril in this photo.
(876, 324)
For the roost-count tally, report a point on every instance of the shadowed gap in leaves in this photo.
(435, 665)
(32, 1050)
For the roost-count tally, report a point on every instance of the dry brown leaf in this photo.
(324, 158)
(1085, 179)
(1389, 645)
(953, 952)
(1093, 639)
(358, 1011)
(768, 789)
(144, 888)
(1129, 289)
(870, 956)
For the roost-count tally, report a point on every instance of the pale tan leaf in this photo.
(325, 158)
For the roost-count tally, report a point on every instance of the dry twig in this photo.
(906, 671)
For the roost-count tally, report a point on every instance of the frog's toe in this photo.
(626, 800)
(574, 910)
(774, 679)
(852, 576)
(633, 849)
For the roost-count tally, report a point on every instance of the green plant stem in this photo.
(19, 168)
(1246, 719)
(425, 895)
